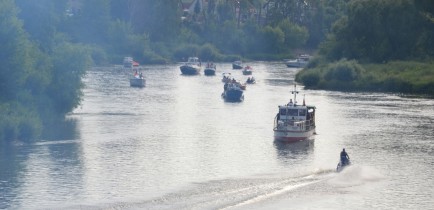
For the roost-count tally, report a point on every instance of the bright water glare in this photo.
(175, 144)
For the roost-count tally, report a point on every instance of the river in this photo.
(175, 144)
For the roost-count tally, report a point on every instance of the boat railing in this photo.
(294, 123)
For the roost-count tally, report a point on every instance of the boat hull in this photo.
(190, 70)
(295, 64)
(247, 72)
(237, 66)
(233, 95)
(209, 72)
(291, 136)
(137, 82)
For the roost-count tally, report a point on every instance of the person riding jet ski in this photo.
(345, 161)
(344, 157)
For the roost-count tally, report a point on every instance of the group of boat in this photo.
(293, 121)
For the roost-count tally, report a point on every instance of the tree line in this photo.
(384, 45)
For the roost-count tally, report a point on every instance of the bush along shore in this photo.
(406, 77)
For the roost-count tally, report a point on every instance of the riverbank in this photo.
(407, 77)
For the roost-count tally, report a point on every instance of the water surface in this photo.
(175, 144)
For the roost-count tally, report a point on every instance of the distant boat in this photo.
(251, 80)
(210, 69)
(128, 62)
(237, 65)
(247, 70)
(191, 67)
(300, 62)
(137, 80)
(294, 122)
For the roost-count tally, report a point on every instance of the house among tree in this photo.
(193, 8)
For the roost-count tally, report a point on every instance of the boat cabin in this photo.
(293, 112)
(193, 60)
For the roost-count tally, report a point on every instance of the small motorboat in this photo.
(237, 65)
(191, 67)
(342, 165)
(247, 70)
(210, 69)
(137, 80)
(251, 80)
(227, 77)
(233, 92)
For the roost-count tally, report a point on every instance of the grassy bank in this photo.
(408, 77)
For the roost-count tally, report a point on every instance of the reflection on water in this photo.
(295, 154)
(61, 130)
(294, 149)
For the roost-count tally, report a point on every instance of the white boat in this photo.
(294, 122)
(191, 67)
(237, 65)
(300, 62)
(128, 62)
(137, 80)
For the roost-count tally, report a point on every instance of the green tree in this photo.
(41, 20)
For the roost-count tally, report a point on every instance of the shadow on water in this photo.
(279, 82)
(293, 150)
(14, 157)
(61, 130)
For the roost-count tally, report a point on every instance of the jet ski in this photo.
(342, 165)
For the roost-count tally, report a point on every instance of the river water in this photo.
(175, 144)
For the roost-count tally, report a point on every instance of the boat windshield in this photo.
(193, 60)
(292, 112)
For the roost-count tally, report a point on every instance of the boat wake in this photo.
(232, 193)
(259, 192)
(356, 175)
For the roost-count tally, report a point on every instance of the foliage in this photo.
(378, 31)
(396, 76)
(40, 78)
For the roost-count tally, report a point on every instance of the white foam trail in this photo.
(356, 175)
(269, 195)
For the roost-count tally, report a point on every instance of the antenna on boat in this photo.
(304, 102)
(295, 92)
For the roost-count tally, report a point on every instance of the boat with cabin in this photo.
(294, 122)
(300, 62)
(237, 65)
(191, 67)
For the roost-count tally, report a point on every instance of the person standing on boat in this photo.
(344, 157)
